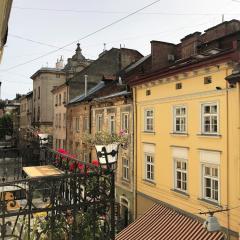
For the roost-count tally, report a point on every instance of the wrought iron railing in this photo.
(77, 204)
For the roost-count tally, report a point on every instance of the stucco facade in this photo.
(187, 141)
(44, 80)
(60, 100)
(118, 111)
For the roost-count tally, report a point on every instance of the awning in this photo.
(163, 223)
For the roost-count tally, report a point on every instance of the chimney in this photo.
(189, 45)
(85, 78)
(163, 53)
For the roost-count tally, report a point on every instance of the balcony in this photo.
(76, 203)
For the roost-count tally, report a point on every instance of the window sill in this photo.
(209, 135)
(209, 202)
(179, 134)
(125, 181)
(149, 182)
(149, 132)
(180, 193)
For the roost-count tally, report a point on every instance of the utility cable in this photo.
(88, 35)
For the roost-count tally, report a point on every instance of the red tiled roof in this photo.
(162, 223)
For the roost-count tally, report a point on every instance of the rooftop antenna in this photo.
(104, 46)
(222, 18)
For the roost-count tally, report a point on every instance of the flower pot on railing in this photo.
(107, 153)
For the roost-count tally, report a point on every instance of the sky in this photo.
(39, 29)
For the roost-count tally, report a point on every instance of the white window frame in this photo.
(125, 168)
(151, 164)
(203, 115)
(77, 124)
(125, 122)
(175, 116)
(146, 128)
(64, 120)
(99, 124)
(212, 179)
(85, 124)
(182, 172)
(110, 121)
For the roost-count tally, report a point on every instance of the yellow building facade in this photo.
(187, 137)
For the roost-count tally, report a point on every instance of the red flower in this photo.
(80, 166)
(95, 162)
(72, 167)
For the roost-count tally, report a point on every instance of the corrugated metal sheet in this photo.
(162, 223)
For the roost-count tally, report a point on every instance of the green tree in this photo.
(6, 125)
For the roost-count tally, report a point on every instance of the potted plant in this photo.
(106, 144)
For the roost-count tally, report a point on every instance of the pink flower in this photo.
(122, 132)
(60, 150)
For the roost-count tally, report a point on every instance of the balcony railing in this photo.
(77, 204)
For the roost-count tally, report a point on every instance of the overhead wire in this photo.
(86, 36)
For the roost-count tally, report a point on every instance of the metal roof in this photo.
(117, 94)
(161, 222)
(137, 63)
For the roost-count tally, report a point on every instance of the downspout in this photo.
(227, 153)
(134, 153)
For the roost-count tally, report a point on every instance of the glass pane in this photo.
(208, 192)
(184, 177)
(179, 184)
(178, 175)
(214, 109)
(206, 109)
(178, 165)
(177, 111)
(208, 182)
(184, 186)
(207, 171)
(183, 111)
(184, 165)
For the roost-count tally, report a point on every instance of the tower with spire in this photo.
(76, 63)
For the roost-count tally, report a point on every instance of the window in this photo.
(56, 120)
(125, 169)
(60, 100)
(181, 175)
(60, 121)
(210, 118)
(64, 144)
(112, 123)
(207, 80)
(180, 119)
(148, 92)
(38, 92)
(149, 167)
(64, 120)
(85, 124)
(77, 124)
(125, 122)
(56, 100)
(34, 95)
(99, 123)
(180, 163)
(178, 86)
(57, 75)
(210, 182)
(86, 157)
(210, 165)
(64, 98)
(148, 120)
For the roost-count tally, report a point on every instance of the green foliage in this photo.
(104, 138)
(6, 125)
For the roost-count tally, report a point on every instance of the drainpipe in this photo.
(134, 152)
(227, 153)
(85, 78)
